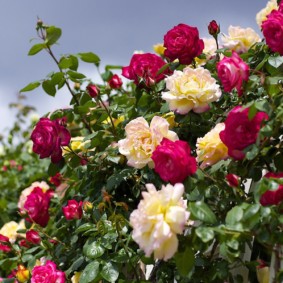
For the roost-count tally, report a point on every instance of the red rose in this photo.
(173, 161)
(272, 197)
(272, 29)
(48, 137)
(93, 90)
(232, 179)
(5, 245)
(143, 69)
(56, 179)
(240, 131)
(73, 210)
(115, 82)
(37, 205)
(33, 237)
(182, 42)
(232, 71)
(213, 28)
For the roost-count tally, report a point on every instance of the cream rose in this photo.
(262, 14)
(10, 229)
(142, 139)
(240, 39)
(210, 148)
(160, 216)
(191, 89)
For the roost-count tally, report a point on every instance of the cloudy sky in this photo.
(110, 28)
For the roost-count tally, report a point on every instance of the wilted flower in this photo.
(142, 139)
(160, 216)
(191, 89)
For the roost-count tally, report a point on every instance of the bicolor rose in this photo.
(141, 140)
(73, 210)
(272, 197)
(9, 229)
(272, 29)
(160, 216)
(182, 42)
(232, 72)
(232, 180)
(191, 89)
(173, 161)
(48, 137)
(240, 39)
(47, 273)
(144, 68)
(240, 131)
(33, 237)
(37, 206)
(210, 148)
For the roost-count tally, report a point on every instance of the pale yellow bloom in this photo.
(170, 118)
(240, 39)
(159, 48)
(10, 229)
(210, 148)
(116, 122)
(160, 216)
(263, 274)
(76, 277)
(209, 50)
(191, 89)
(24, 194)
(262, 14)
(142, 139)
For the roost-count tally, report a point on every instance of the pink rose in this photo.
(233, 180)
(115, 82)
(182, 42)
(5, 245)
(143, 69)
(173, 161)
(37, 205)
(272, 29)
(272, 197)
(93, 90)
(48, 137)
(240, 131)
(232, 71)
(33, 237)
(47, 273)
(73, 210)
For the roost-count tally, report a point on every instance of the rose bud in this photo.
(87, 206)
(56, 179)
(73, 210)
(93, 90)
(213, 28)
(115, 82)
(33, 237)
(22, 274)
(24, 243)
(232, 179)
(5, 244)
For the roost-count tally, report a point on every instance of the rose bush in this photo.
(173, 175)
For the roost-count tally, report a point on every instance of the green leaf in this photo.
(278, 162)
(56, 78)
(30, 87)
(85, 227)
(109, 272)
(92, 249)
(90, 57)
(75, 75)
(49, 87)
(206, 234)
(201, 211)
(185, 261)
(90, 272)
(52, 35)
(36, 48)
(234, 216)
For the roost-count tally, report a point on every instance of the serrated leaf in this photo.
(201, 211)
(90, 57)
(30, 87)
(185, 261)
(109, 272)
(52, 35)
(90, 272)
(92, 249)
(36, 48)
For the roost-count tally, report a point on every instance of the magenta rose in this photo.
(143, 69)
(93, 90)
(37, 206)
(272, 197)
(73, 210)
(33, 237)
(232, 72)
(173, 161)
(115, 82)
(182, 42)
(272, 29)
(47, 273)
(232, 180)
(48, 137)
(5, 245)
(213, 28)
(240, 131)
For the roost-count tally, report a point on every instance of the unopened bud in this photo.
(213, 28)
(87, 206)
(22, 274)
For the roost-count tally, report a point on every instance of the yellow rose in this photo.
(76, 277)
(210, 148)
(159, 49)
(262, 14)
(10, 229)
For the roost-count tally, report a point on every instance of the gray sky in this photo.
(111, 29)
